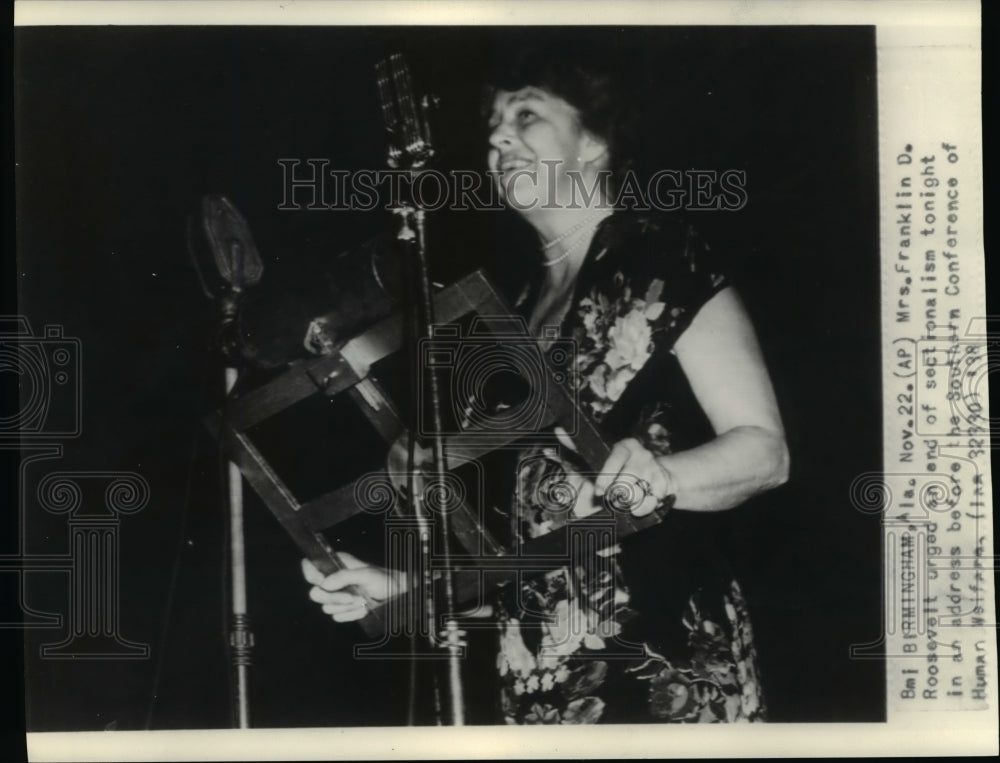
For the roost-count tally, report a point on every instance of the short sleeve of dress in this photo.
(690, 274)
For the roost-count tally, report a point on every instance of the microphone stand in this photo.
(410, 146)
(412, 235)
(452, 636)
(241, 641)
(225, 267)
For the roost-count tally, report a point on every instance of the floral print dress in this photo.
(655, 628)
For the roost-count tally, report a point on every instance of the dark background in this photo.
(119, 131)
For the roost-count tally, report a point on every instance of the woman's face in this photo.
(537, 145)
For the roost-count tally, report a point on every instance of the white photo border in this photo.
(929, 63)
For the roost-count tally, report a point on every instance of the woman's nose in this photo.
(500, 136)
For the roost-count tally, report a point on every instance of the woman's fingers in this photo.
(617, 460)
(564, 439)
(338, 598)
(355, 572)
(347, 615)
(585, 504)
(366, 583)
(632, 479)
(646, 504)
(371, 581)
(398, 457)
(342, 606)
(350, 561)
(399, 453)
(310, 573)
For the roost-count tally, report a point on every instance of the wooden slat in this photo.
(329, 509)
(296, 384)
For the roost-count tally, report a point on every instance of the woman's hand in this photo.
(632, 477)
(396, 462)
(376, 583)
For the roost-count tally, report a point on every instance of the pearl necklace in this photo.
(566, 253)
(549, 244)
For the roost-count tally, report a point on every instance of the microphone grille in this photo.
(230, 242)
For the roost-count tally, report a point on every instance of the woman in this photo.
(669, 368)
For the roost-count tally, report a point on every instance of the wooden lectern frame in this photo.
(346, 371)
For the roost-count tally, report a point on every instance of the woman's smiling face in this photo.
(535, 139)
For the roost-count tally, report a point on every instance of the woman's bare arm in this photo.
(721, 358)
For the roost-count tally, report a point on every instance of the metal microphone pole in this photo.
(226, 261)
(412, 236)
(410, 148)
(240, 636)
(452, 635)
(240, 641)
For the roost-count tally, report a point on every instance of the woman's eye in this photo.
(525, 115)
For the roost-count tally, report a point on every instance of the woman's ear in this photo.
(592, 149)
